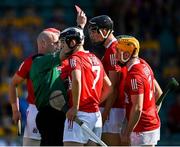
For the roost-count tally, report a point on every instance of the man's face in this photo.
(94, 35)
(65, 50)
(54, 43)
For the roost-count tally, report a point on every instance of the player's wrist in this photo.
(75, 108)
(106, 111)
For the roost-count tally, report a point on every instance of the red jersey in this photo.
(140, 81)
(23, 72)
(64, 68)
(92, 74)
(121, 96)
(65, 72)
(110, 64)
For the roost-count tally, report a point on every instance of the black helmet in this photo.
(99, 22)
(72, 33)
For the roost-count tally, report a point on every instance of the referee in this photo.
(49, 91)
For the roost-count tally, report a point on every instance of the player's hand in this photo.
(70, 115)
(16, 116)
(81, 17)
(125, 139)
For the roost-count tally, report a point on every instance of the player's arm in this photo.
(16, 80)
(113, 76)
(76, 93)
(157, 93)
(107, 88)
(81, 17)
(135, 113)
(76, 87)
(157, 90)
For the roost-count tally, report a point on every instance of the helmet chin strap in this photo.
(123, 60)
(104, 37)
(126, 60)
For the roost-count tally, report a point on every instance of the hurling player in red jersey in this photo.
(89, 86)
(47, 42)
(141, 91)
(100, 30)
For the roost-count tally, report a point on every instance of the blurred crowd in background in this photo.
(156, 23)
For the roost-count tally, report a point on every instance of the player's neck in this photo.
(132, 62)
(109, 40)
(79, 48)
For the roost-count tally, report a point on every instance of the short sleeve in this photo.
(135, 84)
(24, 68)
(75, 62)
(109, 60)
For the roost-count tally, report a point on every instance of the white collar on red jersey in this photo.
(114, 39)
(132, 62)
(85, 51)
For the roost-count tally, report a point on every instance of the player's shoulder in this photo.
(135, 68)
(27, 61)
(141, 70)
(111, 48)
(78, 54)
(29, 58)
(135, 71)
(82, 54)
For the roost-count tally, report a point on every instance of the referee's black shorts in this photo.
(50, 123)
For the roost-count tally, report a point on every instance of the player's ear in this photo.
(72, 43)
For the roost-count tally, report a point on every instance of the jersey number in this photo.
(97, 70)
